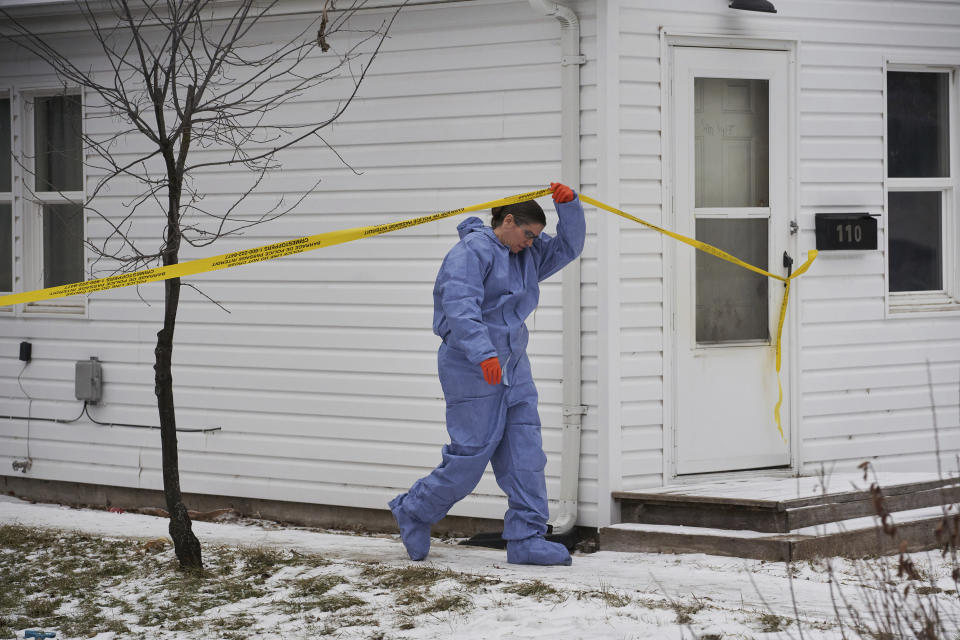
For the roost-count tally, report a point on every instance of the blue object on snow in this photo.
(31, 633)
(482, 296)
(536, 550)
(415, 534)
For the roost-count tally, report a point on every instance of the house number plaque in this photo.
(846, 231)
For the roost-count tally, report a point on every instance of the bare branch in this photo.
(197, 289)
(197, 75)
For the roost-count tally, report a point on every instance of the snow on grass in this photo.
(88, 573)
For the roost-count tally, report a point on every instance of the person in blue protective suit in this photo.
(487, 286)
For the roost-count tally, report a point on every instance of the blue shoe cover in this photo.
(536, 550)
(415, 534)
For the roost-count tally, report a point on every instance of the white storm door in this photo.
(732, 152)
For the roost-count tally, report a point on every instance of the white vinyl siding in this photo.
(641, 293)
(870, 382)
(322, 375)
(863, 391)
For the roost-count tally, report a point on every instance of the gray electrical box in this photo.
(89, 382)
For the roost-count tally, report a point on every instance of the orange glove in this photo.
(561, 192)
(491, 370)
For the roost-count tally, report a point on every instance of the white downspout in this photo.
(566, 517)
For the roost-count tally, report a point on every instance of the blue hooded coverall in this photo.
(482, 296)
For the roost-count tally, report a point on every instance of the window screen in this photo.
(58, 144)
(918, 147)
(5, 145)
(62, 244)
(6, 247)
(916, 257)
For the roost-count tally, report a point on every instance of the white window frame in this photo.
(28, 208)
(946, 299)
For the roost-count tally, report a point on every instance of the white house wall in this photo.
(863, 373)
(322, 375)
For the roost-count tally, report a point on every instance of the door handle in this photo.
(787, 264)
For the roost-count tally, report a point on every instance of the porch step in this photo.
(780, 518)
(853, 538)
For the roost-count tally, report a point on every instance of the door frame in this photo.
(669, 40)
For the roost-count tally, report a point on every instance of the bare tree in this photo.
(182, 75)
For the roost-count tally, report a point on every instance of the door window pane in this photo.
(731, 146)
(918, 125)
(5, 145)
(57, 144)
(732, 301)
(62, 244)
(916, 257)
(6, 247)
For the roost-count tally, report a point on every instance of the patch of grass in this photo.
(235, 622)
(405, 577)
(453, 602)
(613, 599)
(14, 536)
(410, 596)
(83, 621)
(338, 602)
(17, 623)
(115, 568)
(685, 612)
(535, 589)
(772, 623)
(90, 624)
(927, 590)
(222, 560)
(316, 586)
(6, 628)
(474, 581)
(191, 624)
(9, 596)
(311, 560)
(40, 607)
(358, 621)
(263, 562)
(236, 589)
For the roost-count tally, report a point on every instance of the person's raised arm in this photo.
(555, 252)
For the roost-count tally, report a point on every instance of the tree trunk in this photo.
(185, 543)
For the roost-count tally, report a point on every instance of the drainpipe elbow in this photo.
(567, 18)
(565, 521)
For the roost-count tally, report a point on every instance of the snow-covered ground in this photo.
(602, 595)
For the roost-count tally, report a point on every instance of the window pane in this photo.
(918, 125)
(6, 247)
(58, 144)
(732, 301)
(731, 147)
(916, 257)
(62, 244)
(5, 145)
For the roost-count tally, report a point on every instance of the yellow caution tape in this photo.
(320, 240)
(249, 256)
(703, 246)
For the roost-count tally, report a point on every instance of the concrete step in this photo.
(855, 537)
